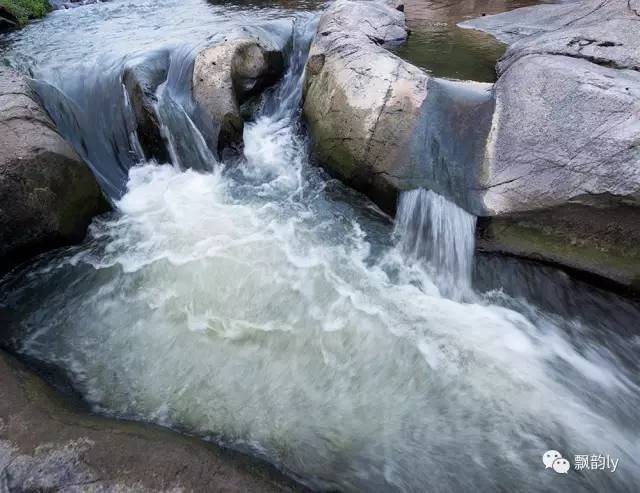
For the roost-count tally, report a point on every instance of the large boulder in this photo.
(560, 179)
(563, 129)
(47, 194)
(605, 33)
(51, 444)
(549, 157)
(361, 102)
(141, 78)
(225, 75)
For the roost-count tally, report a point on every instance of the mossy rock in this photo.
(598, 243)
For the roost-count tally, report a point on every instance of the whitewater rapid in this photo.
(267, 307)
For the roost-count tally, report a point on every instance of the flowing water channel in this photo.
(260, 304)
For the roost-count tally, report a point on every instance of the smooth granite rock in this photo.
(563, 128)
(512, 26)
(51, 444)
(560, 179)
(141, 79)
(48, 196)
(225, 74)
(361, 102)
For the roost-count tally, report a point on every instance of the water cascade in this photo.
(432, 229)
(263, 305)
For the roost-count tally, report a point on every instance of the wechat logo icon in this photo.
(552, 459)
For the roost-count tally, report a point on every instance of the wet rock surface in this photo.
(225, 75)
(361, 102)
(46, 444)
(597, 242)
(450, 135)
(48, 195)
(141, 80)
(550, 152)
(561, 180)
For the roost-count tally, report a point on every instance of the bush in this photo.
(23, 10)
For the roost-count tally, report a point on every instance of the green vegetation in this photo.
(23, 10)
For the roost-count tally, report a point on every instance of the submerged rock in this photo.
(47, 194)
(70, 4)
(225, 75)
(360, 101)
(141, 80)
(48, 444)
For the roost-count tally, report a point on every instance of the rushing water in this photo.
(265, 306)
(436, 231)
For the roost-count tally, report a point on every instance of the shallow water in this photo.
(439, 46)
(267, 307)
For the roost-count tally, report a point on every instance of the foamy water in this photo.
(267, 307)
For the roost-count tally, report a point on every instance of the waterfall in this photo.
(94, 112)
(258, 303)
(433, 230)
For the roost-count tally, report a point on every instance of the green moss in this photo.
(620, 263)
(23, 10)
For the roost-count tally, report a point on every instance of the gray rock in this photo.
(560, 180)
(562, 168)
(50, 444)
(47, 194)
(611, 43)
(141, 79)
(563, 128)
(225, 75)
(512, 26)
(360, 101)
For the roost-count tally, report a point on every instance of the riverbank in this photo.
(49, 444)
(16, 13)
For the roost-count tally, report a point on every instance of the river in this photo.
(258, 303)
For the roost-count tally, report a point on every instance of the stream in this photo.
(260, 304)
